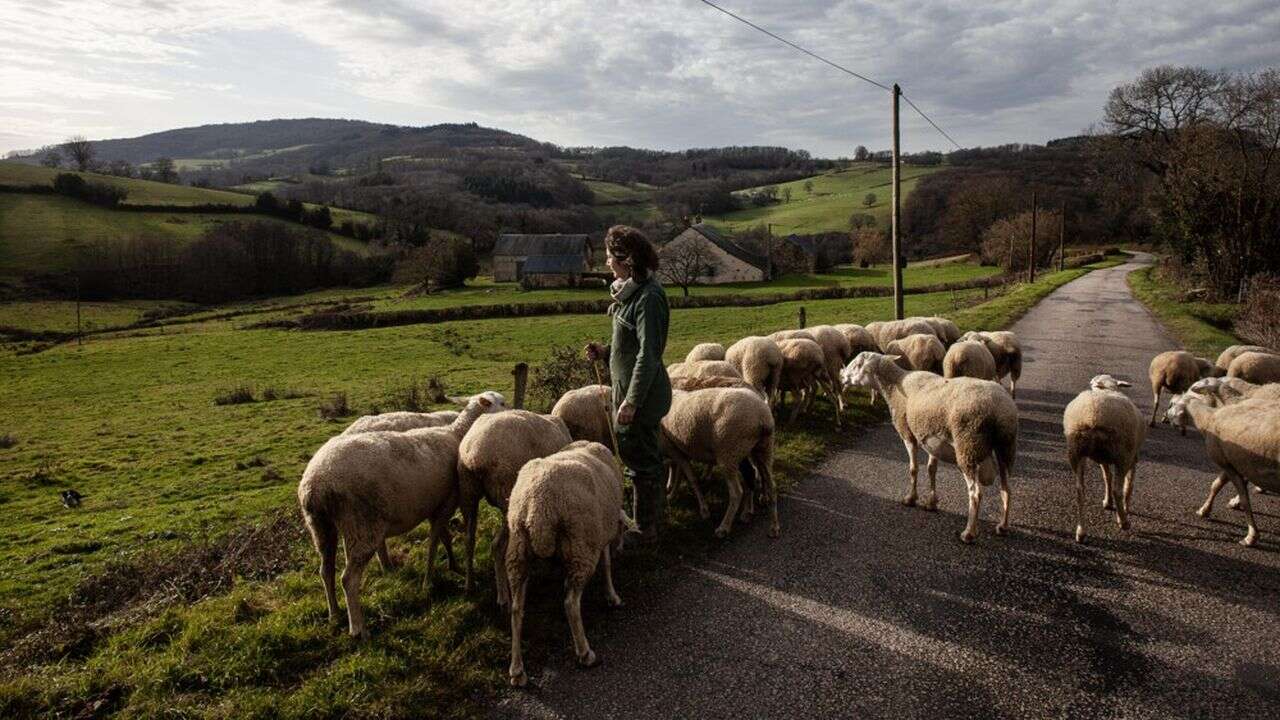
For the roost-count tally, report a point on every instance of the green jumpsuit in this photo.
(640, 378)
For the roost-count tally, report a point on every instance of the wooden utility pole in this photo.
(1062, 239)
(897, 211)
(1031, 257)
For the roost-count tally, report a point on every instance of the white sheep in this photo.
(1103, 425)
(567, 505)
(972, 423)
(1226, 356)
(969, 358)
(1229, 391)
(401, 421)
(1256, 367)
(803, 371)
(859, 338)
(705, 351)
(948, 332)
(586, 412)
(1243, 440)
(759, 361)
(722, 427)
(1006, 350)
(489, 459)
(367, 487)
(887, 332)
(703, 368)
(921, 351)
(835, 353)
(1174, 371)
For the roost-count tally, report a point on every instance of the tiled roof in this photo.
(518, 244)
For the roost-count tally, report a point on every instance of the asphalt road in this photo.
(867, 608)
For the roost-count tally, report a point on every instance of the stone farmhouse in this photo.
(731, 262)
(542, 260)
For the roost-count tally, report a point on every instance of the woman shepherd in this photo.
(641, 388)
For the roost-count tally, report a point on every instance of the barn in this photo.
(729, 261)
(541, 260)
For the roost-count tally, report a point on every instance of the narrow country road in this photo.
(867, 608)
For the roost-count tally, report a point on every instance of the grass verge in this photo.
(238, 629)
(1201, 327)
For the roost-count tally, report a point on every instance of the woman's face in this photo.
(621, 269)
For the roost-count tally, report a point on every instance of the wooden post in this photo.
(802, 318)
(768, 254)
(1062, 239)
(521, 374)
(79, 327)
(1031, 256)
(897, 211)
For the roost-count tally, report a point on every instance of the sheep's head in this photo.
(1177, 414)
(1107, 382)
(861, 371)
(488, 401)
(625, 524)
(1207, 368)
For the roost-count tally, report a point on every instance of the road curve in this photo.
(866, 608)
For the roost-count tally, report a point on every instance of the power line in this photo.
(813, 55)
(837, 66)
(930, 121)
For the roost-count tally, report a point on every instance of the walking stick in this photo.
(609, 415)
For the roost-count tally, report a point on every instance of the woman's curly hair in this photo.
(630, 245)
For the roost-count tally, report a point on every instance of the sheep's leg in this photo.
(498, 551)
(734, 484)
(762, 457)
(703, 511)
(1005, 498)
(385, 559)
(439, 533)
(580, 571)
(975, 503)
(1123, 493)
(837, 401)
(1242, 487)
(1079, 468)
(1214, 489)
(359, 552)
(931, 502)
(470, 513)
(325, 534)
(1108, 502)
(610, 593)
(1155, 405)
(913, 469)
(1013, 386)
(446, 538)
(520, 581)
(797, 405)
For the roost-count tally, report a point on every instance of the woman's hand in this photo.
(626, 413)
(594, 351)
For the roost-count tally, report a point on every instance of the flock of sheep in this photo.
(559, 486)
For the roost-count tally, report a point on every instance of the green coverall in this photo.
(640, 378)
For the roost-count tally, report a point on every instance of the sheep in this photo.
(567, 505)
(803, 370)
(702, 382)
(759, 360)
(897, 329)
(722, 427)
(1224, 359)
(1255, 367)
(401, 421)
(835, 353)
(489, 458)
(705, 351)
(587, 412)
(1231, 390)
(1103, 425)
(703, 368)
(948, 333)
(972, 423)
(1175, 370)
(367, 487)
(1242, 439)
(1006, 350)
(969, 358)
(918, 352)
(859, 338)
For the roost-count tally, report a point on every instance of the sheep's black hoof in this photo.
(589, 660)
(1002, 530)
(967, 538)
(909, 501)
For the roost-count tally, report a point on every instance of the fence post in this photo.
(1062, 239)
(1031, 257)
(897, 211)
(521, 373)
(802, 318)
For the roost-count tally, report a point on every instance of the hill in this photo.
(823, 203)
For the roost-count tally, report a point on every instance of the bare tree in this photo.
(165, 170)
(685, 263)
(80, 150)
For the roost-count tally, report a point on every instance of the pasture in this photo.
(130, 421)
(834, 197)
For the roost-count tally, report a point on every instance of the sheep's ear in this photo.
(893, 358)
(1123, 383)
(485, 402)
(456, 400)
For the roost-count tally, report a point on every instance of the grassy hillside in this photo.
(834, 197)
(39, 233)
(131, 422)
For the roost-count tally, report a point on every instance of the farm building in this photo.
(541, 260)
(794, 254)
(730, 261)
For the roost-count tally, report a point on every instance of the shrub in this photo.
(270, 393)
(7, 441)
(335, 407)
(1259, 319)
(443, 261)
(565, 369)
(1015, 234)
(238, 395)
(871, 246)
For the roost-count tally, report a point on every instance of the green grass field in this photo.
(835, 196)
(130, 422)
(1201, 327)
(40, 233)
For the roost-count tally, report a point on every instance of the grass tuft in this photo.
(7, 441)
(238, 395)
(335, 407)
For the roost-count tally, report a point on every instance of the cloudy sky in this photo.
(652, 73)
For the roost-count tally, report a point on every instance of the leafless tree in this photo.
(685, 263)
(80, 150)
(165, 170)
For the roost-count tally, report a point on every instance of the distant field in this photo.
(202, 163)
(39, 233)
(60, 315)
(835, 196)
(618, 203)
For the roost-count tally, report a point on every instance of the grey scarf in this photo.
(622, 290)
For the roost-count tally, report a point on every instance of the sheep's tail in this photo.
(536, 531)
(1004, 444)
(319, 511)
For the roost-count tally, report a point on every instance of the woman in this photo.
(641, 388)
